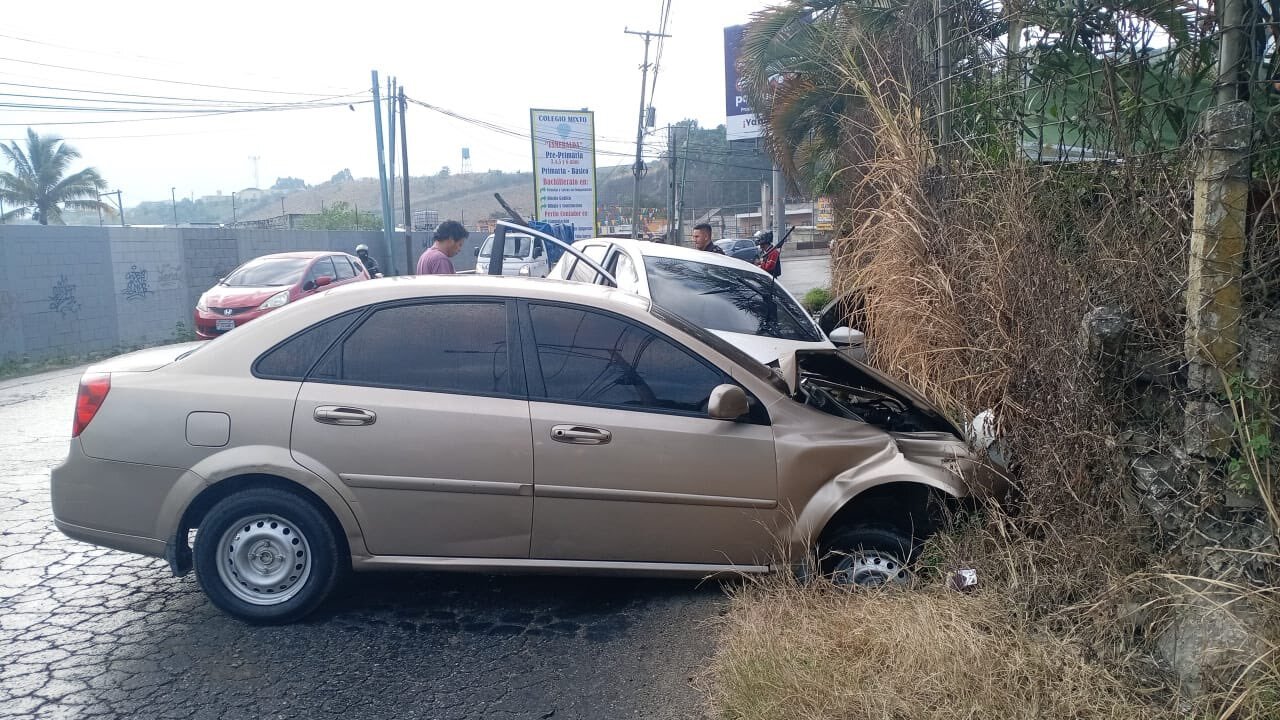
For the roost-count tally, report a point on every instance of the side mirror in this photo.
(537, 250)
(846, 336)
(727, 402)
(477, 252)
(323, 280)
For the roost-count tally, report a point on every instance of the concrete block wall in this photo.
(74, 290)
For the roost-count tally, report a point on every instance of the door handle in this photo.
(580, 435)
(338, 415)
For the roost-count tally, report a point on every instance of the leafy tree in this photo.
(289, 183)
(341, 216)
(39, 185)
(342, 176)
(444, 172)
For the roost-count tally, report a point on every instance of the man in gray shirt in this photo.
(448, 238)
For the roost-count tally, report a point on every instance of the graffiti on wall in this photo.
(62, 298)
(136, 286)
(170, 277)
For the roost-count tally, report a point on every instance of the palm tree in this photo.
(39, 185)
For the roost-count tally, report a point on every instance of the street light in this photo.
(119, 205)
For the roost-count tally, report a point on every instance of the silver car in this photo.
(496, 424)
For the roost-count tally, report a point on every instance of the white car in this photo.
(523, 255)
(733, 299)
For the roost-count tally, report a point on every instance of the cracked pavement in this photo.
(87, 632)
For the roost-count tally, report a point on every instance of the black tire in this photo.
(867, 556)
(267, 556)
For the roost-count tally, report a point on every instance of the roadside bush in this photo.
(816, 299)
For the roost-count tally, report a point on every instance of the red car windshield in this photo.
(268, 272)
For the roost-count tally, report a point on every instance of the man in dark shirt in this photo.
(702, 239)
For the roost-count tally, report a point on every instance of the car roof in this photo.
(650, 249)
(407, 286)
(304, 254)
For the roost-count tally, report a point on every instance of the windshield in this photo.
(717, 343)
(268, 272)
(719, 297)
(516, 246)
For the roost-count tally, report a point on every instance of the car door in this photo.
(627, 464)
(420, 412)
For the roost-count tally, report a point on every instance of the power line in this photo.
(274, 108)
(159, 80)
(56, 88)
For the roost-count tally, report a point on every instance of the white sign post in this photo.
(564, 168)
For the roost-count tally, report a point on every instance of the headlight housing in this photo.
(524, 270)
(275, 301)
(202, 305)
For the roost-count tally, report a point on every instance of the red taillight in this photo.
(93, 390)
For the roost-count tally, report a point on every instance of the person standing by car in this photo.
(370, 265)
(770, 257)
(448, 240)
(702, 239)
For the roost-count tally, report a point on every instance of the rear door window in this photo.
(345, 271)
(455, 347)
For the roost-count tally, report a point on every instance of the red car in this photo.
(266, 283)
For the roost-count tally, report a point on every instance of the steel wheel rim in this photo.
(869, 568)
(264, 559)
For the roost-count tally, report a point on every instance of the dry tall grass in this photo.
(976, 277)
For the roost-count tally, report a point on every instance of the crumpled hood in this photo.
(769, 349)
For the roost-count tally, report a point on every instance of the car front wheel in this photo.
(266, 555)
(864, 556)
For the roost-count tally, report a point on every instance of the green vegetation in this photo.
(39, 185)
(341, 216)
(816, 299)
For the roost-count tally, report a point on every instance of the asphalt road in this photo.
(802, 274)
(93, 633)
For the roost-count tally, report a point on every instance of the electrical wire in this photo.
(160, 80)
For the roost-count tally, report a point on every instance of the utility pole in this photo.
(233, 208)
(174, 197)
(638, 168)
(257, 182)
(779, 203)
(404, 184)
(391, 140)
(382, 174)
(120, 204)
(671, 185)
(684, 176)
(944, 74)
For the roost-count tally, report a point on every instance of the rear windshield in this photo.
(718, 297)
(516, 246)
(268, 272)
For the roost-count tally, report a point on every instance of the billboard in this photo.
(740, 122)
(564, 168)
(824, 215)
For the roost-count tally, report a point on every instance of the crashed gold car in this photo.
(495, 424)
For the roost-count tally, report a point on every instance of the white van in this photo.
(522, 255)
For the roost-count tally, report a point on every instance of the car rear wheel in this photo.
(864, 556)
(266, 555)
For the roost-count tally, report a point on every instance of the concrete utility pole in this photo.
(779, 203)
(404, 184)
(1214, 337)
(391, 141)
(944, 73)
(638, 168)
(671, 186)
(173, 195)
(382, 175)
(120, 204)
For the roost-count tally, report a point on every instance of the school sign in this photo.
(564, 168)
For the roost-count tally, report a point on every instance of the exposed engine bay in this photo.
(836, 385)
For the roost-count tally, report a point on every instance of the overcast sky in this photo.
(490, 60)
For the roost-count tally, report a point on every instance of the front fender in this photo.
(845, 487)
